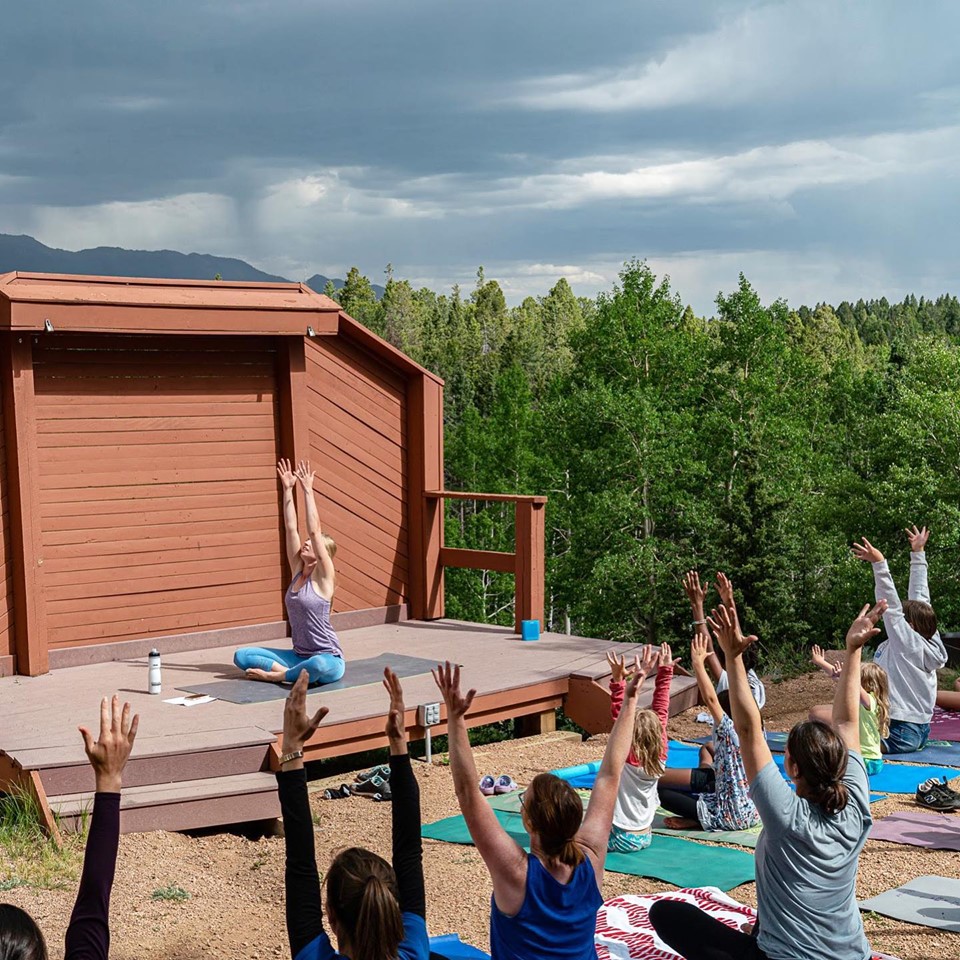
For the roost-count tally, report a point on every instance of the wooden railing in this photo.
(526, 563)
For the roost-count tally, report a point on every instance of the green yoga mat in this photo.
(671, 859)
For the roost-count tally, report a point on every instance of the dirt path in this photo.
(235, 909)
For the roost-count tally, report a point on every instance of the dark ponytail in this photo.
(821, 759)
(362, 896)
(555, 812)
(20, 937)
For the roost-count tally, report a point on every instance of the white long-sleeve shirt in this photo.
(911, 661)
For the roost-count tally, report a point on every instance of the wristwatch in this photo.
(292, 755)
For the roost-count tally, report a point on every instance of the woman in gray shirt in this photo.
(808, 851)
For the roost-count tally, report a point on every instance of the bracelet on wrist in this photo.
(291, 756)
(698, 623)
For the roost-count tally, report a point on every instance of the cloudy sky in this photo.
(815, 146)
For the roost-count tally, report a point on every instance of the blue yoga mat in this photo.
(944, 752)
(450, 945)
(895, 777)
(680, 756)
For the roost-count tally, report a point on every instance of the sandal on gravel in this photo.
(504, 784)
(487, 783)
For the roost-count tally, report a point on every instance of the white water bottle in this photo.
(154, 671)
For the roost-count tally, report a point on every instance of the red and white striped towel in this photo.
(624, 931)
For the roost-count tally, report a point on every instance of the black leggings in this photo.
(696, 935)
(680, 802)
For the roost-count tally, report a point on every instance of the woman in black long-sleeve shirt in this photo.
(376, 911)
(88, 936)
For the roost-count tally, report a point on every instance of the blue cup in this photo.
(529, 629)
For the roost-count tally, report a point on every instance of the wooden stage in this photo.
(210, 764)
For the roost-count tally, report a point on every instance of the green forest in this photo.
(759, 441)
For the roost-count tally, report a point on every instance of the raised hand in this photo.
(618, 667)
(396, 729)
(918, 538)
(836, 669)
(699, 650)
(818, 659)
(867, 552)
(694, 591)
(447, 678)
(725, 589)
(646, 662)
(864, 627)
(287, 474)
(109, 752)
(298, 726)
(727, 633)
(666, 657)
(305, 475)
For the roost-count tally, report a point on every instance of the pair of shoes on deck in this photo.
(496, 785)
(934, 794)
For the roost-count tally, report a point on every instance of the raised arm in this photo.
(88, 935)
(506, 862)
(301, 879)
(645, 663)
(325, 562)
(595, 831)
(288, 482)
(819, 660)
(696, 594)
(885, 589)
(661, 693)
(407, 845)
(846, 698)
(918, 589)
(699, 654)
(746, 714)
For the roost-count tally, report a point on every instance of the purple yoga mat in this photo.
(945, 725)
(939, 831)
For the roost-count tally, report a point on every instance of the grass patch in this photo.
(31, 858)
(173, 893)
(947, 677)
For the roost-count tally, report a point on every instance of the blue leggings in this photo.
(321, 667)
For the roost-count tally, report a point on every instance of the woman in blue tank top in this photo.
(544, 903)
(316, 647)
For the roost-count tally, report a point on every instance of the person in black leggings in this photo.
(88, 936)
(377, 912)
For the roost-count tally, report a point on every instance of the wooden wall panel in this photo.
(6, 565)
(157, 485)
(358, 446)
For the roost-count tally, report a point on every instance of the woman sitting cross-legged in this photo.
(808, 852)
(316, 647)
(544, 903)
(88, 936)
(376, 912)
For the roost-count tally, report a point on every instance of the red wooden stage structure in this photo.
(142, 421)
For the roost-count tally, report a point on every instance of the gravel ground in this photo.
(235, 908)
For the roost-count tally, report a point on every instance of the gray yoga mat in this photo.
(357, 674)
(937, 831)
(930, 901)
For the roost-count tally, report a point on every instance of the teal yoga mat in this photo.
(671, 859)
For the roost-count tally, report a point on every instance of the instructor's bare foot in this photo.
(680, 823)
(277, 675)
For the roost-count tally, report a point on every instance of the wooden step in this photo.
(588, 700)
(184, 805)
(165, 759)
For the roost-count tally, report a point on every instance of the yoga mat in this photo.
(937, 831)
(671, 859)
(945, 724)
(357, 673)
(450, 945)
(680, 756)
(895, 777)
(943, 752)
(930, 901)
(743, 838)
(776, 740)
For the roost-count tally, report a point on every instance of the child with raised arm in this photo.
(637, 798)
(913, 650)
(728, 806)
(376, 911)
(874, 707)
(308, 598)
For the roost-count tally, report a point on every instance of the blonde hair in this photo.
(648, 742)
(330, 544)
(873, 679)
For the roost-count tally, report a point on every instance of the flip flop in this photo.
(487, 783)
(504, 784)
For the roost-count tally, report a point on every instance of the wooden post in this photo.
(425, 517)
(20, 431)
(530, 533)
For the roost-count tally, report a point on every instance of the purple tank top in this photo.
(309, 616)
